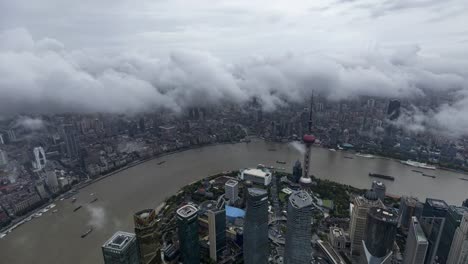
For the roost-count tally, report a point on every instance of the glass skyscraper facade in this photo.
(187, 224)
(416, 244)
(299, 230)
(256, 244)
(452, 221)
(381, 231)
(145, 225)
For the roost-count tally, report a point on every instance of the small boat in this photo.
(76, 209)
(463, 179)
(94, 200)
(418, 171)
(427, 175)
(54, 211)
(419, 164)
(348, 157)
(332, 150)
(73, 200)
(92, 194)
(36, 215)
(281, 162)
(369, 156)
(386, 177)
(87, 232)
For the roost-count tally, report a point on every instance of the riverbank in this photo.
(22, 219)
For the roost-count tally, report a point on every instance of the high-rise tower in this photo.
(380, 234)
(308, 139)
(187, 222)
(145, 227)
(459, 249)
(256, 246)
(299, 229)
(416, 243)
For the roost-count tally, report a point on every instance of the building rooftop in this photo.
(438, 204)
(144, 213)
(379, 183)
(119, 241)
(384, 215)
(300, 199)
(257, 192)
(187, 211)
(257, 172)
(459, 210)
(411, 201)
(231, 183)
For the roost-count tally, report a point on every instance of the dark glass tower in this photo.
(187, 222)
(452, 221)
(381, 232)
(145, 226)
(432, 222)
(393, 110)
(70, 141)
(435, 208)
(297, 171)
(298, 234)
(256, 247)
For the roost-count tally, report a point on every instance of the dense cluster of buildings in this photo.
(243, 217)
(41, 162)
(242, 220)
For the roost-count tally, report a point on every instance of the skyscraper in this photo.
(459, 250)
(39, 158)
(299, 230)
(121, 248)
(409, 207)
(433, 221)
(452, 221)
(3, 158)
(145, 226)
(231, 189)
(393, 110)
(358, 223)
(70, 141)
(379, 188)
(187, 223)
(297, 171)
(380, 234)
(256, 246)
(217, 231)
(416, 244)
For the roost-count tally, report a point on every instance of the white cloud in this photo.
(126, 56)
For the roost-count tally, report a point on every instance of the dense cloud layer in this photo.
(42, 76)
(124, 57)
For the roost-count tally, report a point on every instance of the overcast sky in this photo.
(122, 55)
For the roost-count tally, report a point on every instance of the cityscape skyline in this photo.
(230, 132)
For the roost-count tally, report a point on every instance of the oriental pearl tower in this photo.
(308, 139)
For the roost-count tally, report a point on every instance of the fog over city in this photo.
(128, 57)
